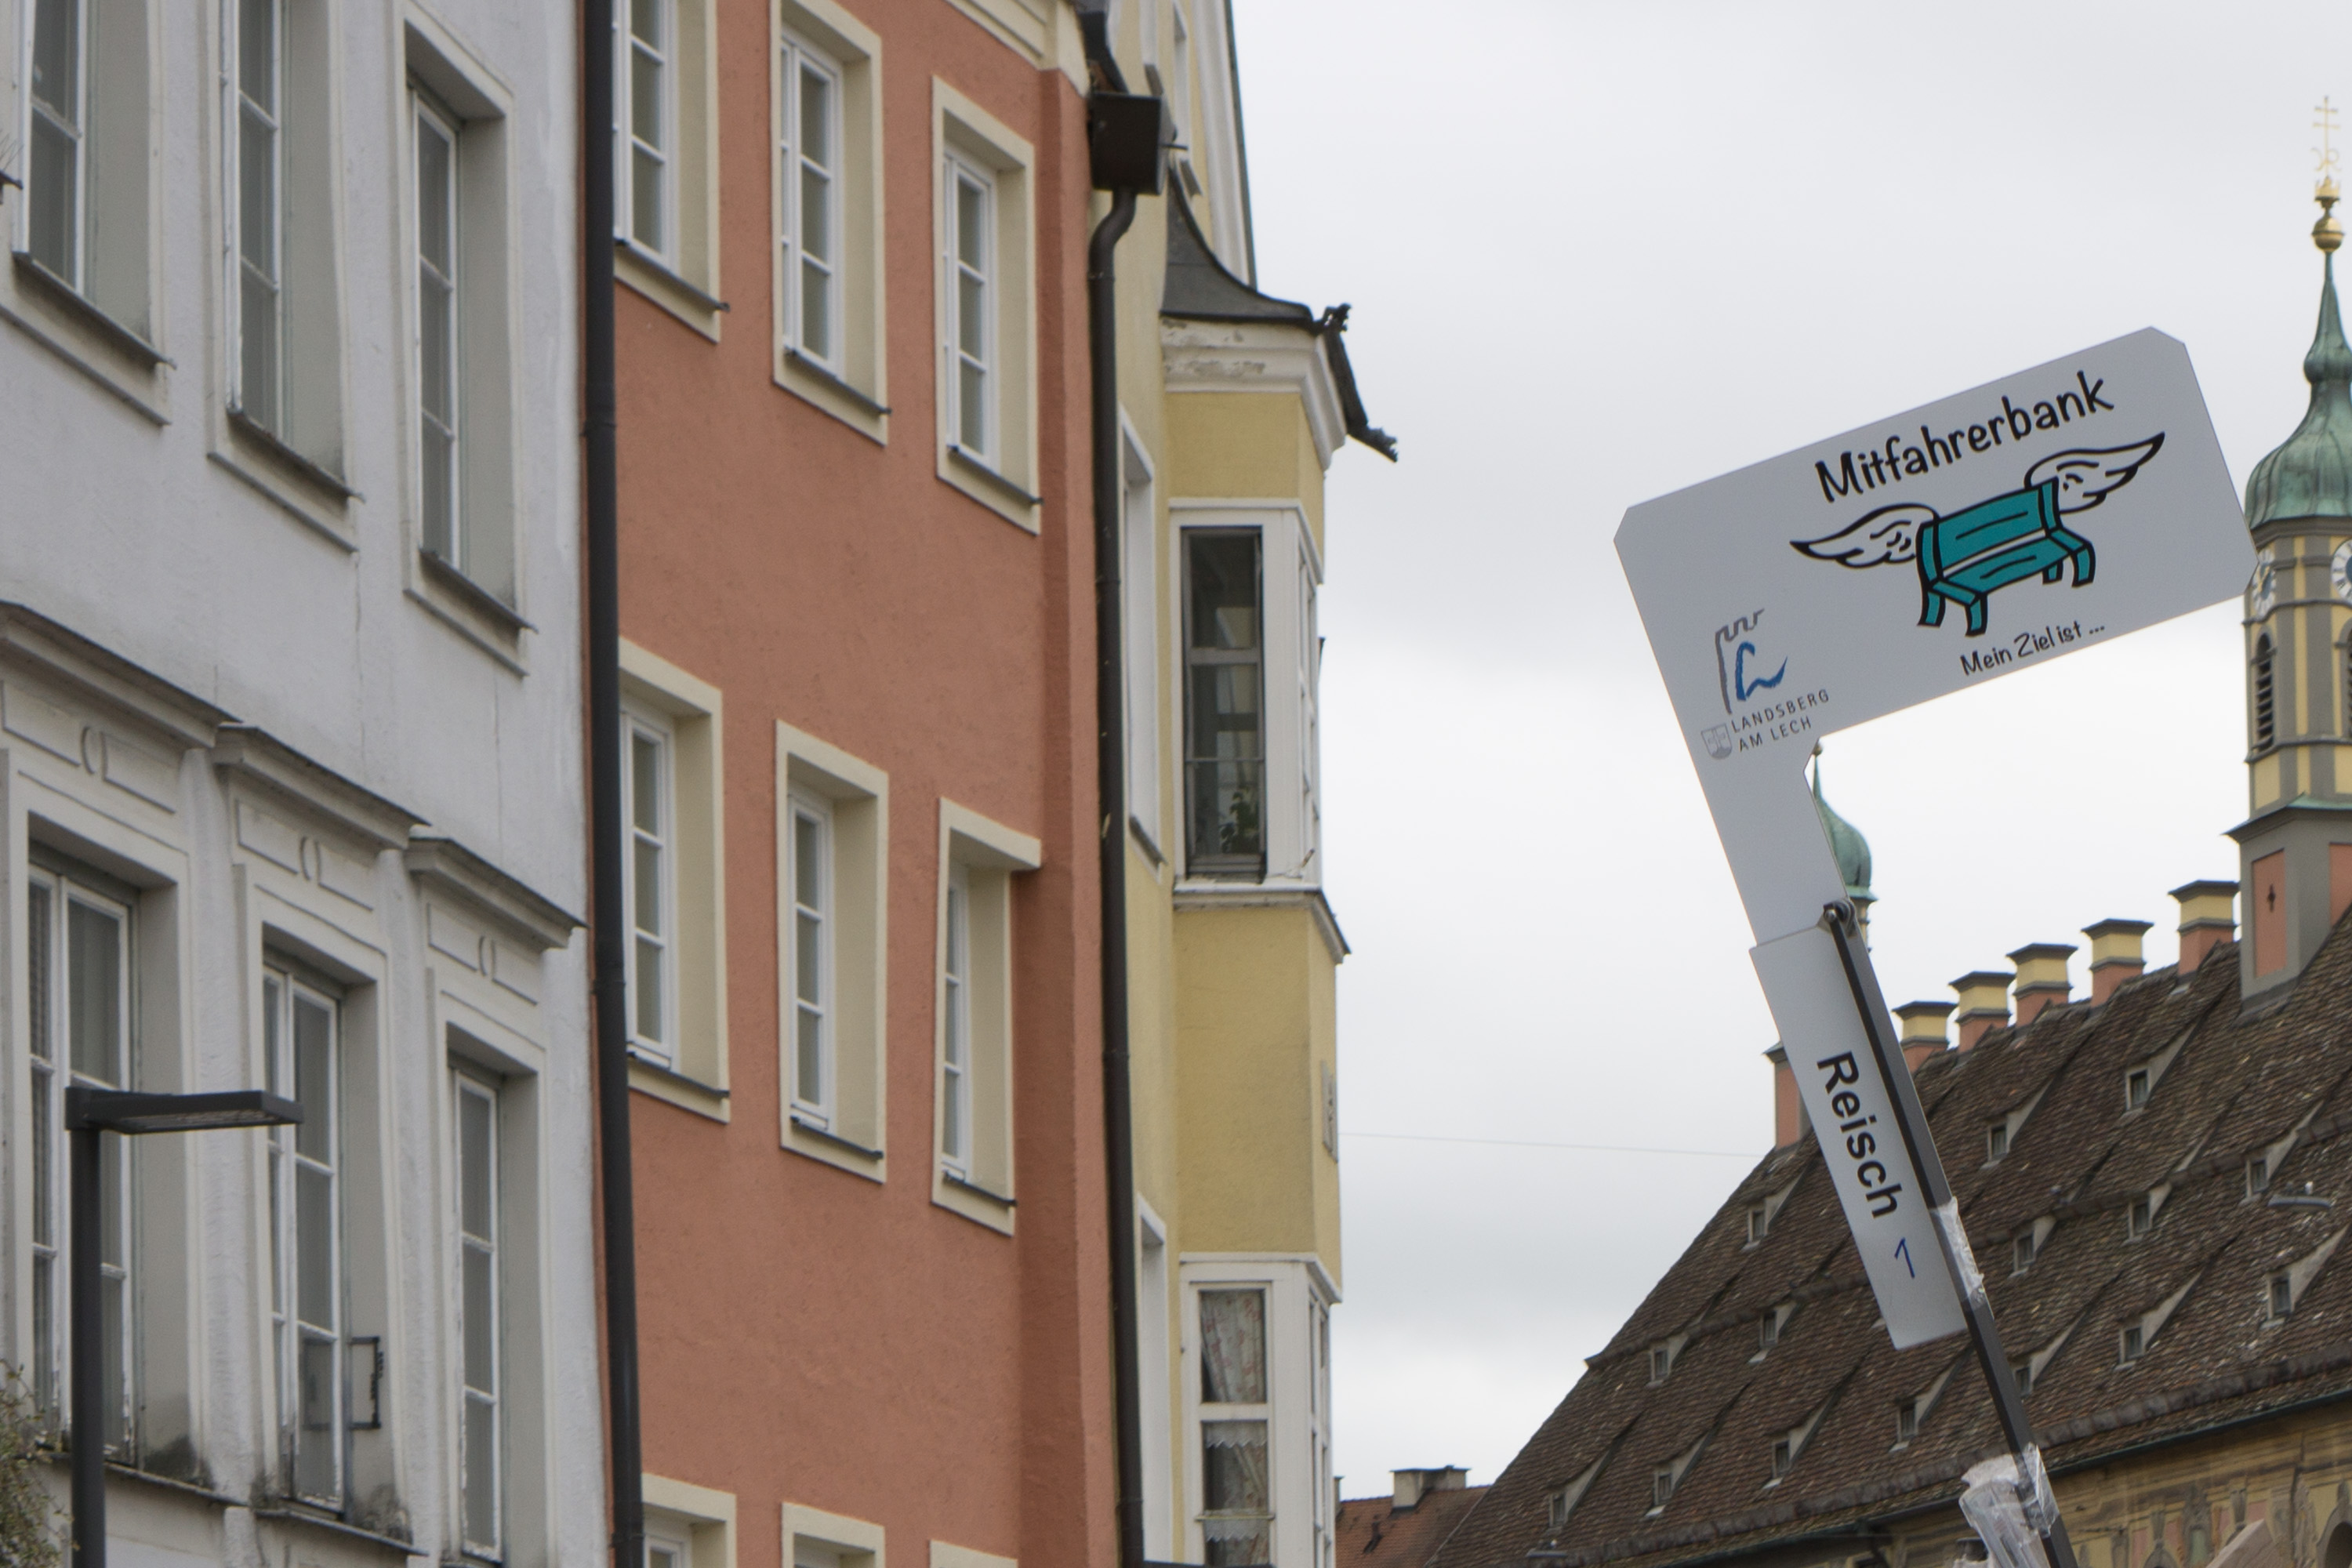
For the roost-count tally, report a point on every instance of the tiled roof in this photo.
(2278, 1082)
(1372, 1533)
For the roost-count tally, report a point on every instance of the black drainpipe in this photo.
(1124, 134)
(609, 981)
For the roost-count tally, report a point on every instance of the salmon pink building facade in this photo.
(857, 616)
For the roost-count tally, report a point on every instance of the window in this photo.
(1783, 1455)
(1760, 1221)
(2021, 1252)
(984, 238)
(833, 844)
(1995, 1141)
(1661, 1486)
(811, 882)
(1236, 1497)
(815, 1540)
(1907, 1421)
(60, 160)
(78, 976)
(481, 1514)
(2136, 1088)
(2134, 1342)
(87, 146)
(2258, 1175)
(1307, 646)
(955, 1028)
(2142, 1218)
(1224, 729)
(650, 873)
(2265, 696)
(2021, 1373)
(301, 1051)
(461, 280)
(2282, 1295)
(1558, 1508)
(978, 861)
(826, 269)
(809, 202)
(675, 888)
(1767, 1328)
(667, 1546)
(260, 209)
(970, 263)
(1141, 580)
(687, 1526)
(438, 488)
(1661, 1362)
(647, 123)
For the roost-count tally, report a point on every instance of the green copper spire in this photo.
(1852, 848)
(2311, 475)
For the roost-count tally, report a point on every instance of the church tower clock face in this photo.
(2266, 585)
(2340, 573)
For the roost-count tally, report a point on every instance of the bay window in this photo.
(1236, 1514)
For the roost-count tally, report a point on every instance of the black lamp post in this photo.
(88, 1112)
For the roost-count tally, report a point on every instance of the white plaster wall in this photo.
(129, 531)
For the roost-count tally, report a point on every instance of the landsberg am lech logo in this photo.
(1966, 557)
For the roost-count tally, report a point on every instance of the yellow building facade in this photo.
(1232, 406)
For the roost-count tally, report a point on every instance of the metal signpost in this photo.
(90, 1113)
(2044, 514)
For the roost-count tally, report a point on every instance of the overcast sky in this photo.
(1602, 252)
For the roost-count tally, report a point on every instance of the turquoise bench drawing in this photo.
(1965, 558)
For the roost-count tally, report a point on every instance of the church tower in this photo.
(2296, 846)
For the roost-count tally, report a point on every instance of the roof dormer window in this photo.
(1995, 1142)
(2258, 1175)
(2136, 1089)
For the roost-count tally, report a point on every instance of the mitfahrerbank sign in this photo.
(2054, 509)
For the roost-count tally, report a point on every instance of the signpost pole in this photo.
(1911, 1120)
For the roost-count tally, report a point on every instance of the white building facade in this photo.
(291, 761)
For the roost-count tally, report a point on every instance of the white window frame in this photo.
(955, 1025)
(689, 1069)
(812, 1003)
(697, 1523)
(964, 173)
(796, 57)
(1295, 1285)
(443, 537)
(848, 1129)
(626, 48)
(466, 1084)
(661, 838)
(78, 136)
(49, 1078)
(267, 406)
(971, 148)
(1141, 581)
(1289, 707)
(284, 989)
(979, 860)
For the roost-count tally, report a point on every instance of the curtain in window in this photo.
(1237, 1517)
(1232, 1347)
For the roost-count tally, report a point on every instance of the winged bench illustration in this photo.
(1965, 558)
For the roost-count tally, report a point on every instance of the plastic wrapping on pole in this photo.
(88, 1371)
(2010, 1506)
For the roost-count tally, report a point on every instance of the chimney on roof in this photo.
(2208, 918)
(1789, 1120)
(1984, 1004)
(2114, 955)
(1923, 1030)
(2041, 977)
(1411, 1486)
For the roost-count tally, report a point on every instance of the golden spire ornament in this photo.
(2326, 234)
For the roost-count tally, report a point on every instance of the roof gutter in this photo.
(607, 916)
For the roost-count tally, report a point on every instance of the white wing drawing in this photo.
(1887, 537)
(2085, 478)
